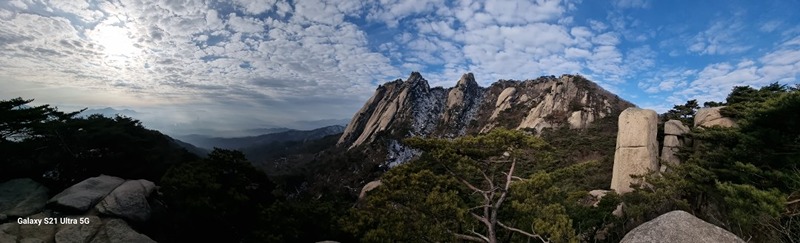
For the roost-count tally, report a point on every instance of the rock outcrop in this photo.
(128, 201)
(73, 221)
(21, 197)
(412, 108)
(82, 196)
(679, 226)
(673, 140)
(369, 187)
(637, 148)
(709, 117)
(93, 229)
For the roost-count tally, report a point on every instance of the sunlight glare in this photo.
(116, 42)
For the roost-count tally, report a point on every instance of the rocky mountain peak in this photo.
(411, 108)
(467, 80)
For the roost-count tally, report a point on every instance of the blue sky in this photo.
(244, 64)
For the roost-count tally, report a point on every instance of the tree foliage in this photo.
(684, 113)
(478, 188)
(741, 178)
(62, 148)
(215, 199)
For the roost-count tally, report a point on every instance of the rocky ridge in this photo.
(407, 108)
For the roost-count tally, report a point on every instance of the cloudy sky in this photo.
(246, 64)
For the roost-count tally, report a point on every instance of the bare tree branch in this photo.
(523, 232)
(480, 235)
(507, 185)
(482, 219)
(468, 237)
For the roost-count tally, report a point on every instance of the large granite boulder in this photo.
(709, 117)
(21, 197)
(637, 148)
(28, 232)
(673, 140)
(678, 226)
(85, 194)
(116, 230)
(128, 201)
(369, 187)
(82, 232)
(92, 229)
(675, 127)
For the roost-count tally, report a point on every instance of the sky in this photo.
(226, 65)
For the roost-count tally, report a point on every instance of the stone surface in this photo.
(673, 140)
(128, 201)
(598, 195)
(503, 101)
(637, 128)
(369, 187)
(79, 232)
(709, 117)
(116, 230)
(21, 197)
(637, 148)
(618, 212)
(675, 127)
(30, 232)
(679, 226)
(87, 193)
(97, 230)
(669, 157)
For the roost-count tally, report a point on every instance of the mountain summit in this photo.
(412, 108)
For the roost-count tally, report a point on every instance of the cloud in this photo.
(631, 3)
(770, 26)
(719, 39)
(277, 60)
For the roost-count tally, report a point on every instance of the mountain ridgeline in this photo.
(400, 109)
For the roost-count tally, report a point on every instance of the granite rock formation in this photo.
(674, 139)
(637, 148)
(708, 117)
(679, 226)
(401, 109)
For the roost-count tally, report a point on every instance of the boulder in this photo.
(679, 226)
(637, 148)
(673, 140)
(79, 232)
(675, 127)
(15, 232)
(369, 187)
(709, 117)
(637, 128)
(116, 230)
(597, 196)
(21, 197)
(128, 201)
(87, 193)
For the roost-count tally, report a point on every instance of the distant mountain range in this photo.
(272, 135)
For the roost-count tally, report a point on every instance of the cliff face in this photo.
(412, 108)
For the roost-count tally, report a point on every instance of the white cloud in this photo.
(631, 3)
(597, 25)
(245, 24)
(255, 6)
(770, 26)
(719, 39)
(18, 4)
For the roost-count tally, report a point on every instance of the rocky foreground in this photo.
(97, 209)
